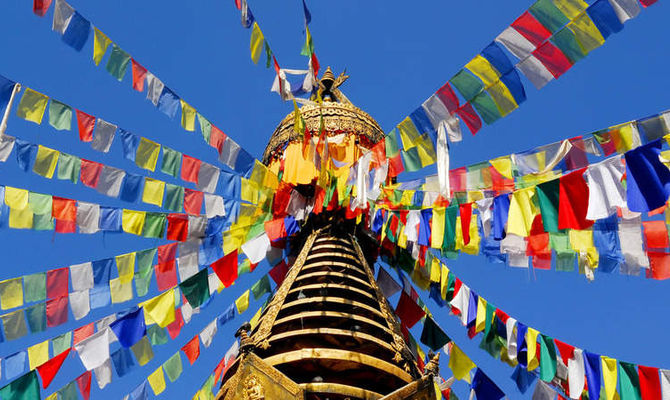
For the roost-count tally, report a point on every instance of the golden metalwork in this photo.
(253, 389)
(338, 388)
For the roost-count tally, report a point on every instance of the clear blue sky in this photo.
(397, 54)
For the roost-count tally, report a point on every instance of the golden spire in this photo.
(329, 87)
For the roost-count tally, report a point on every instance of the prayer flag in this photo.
(94, 350)
(586, 33)
(85, 123)
(609, 368)
(103, 135)
(553, 59)
(147, 154)
(60, 115)
(157, 381)
(49, 369)
(130, 328)
(432, 335)
(650, 384)
(160, 309)
(139, 75)
(531, 29)
(485, 388)
(187, 116)
(629, 384)
(11, 293)
(24, 388)
(133, 221)
(467, 84)
(196, 288)
(143, 351)
(192, 349)
(40, 7)
(242, 302)
(62, 14)
(460, 364)
(168, 102)
(256, 43)
(32, 106)
(77, 31)
(190, 167)
(154, 190)
(100, 44)
(118, 62)
(173, 367)
(38, 354)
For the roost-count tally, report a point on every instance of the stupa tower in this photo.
(328, 332)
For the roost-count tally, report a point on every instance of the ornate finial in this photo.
(246, 344)
(329, 87)
(433, 366)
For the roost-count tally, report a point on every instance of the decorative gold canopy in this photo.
(339, 115)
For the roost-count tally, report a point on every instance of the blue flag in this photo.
(130, 328)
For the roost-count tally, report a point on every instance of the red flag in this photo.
(90, 173)
(177, 227)
(175, 326)
(553, 58)
(139, 75)
(470, 117)
(573, 201)
(275, 229)
(218, 371)
(656, 234)
(65, 209)
(659, 265)
(83, 332)
(226, 268)
(40, 7)
(192, 349)
(49, 369)
(193, 201)
(408, 311)
(65, 226)
(57, 283)
(647, 3)
(567, 351)
(57, 311)
(466, 217)
(166, 275)
(238, 4)
(84, 383)
(85, 123)
(315, 65)
(306, 143)
(189, 168)
(448, 97)
(167, 252)
(216, 138)
(650, 384)
(278, 272)
(530, 28)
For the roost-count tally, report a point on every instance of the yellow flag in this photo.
(16, 198)
(45, 161)
(435, 270)
(473, 246)
(444, 281)
(154, 190)
(256, 44)
(571, 8)
(460, 364)
(437, 228)
(53, 396)
(582, 243)
(521, 212)
(125, 264)
(38, 354)
(160, 309)
(100, 44)
(121, 292)
(256, 318)
(21, 219)
(242, 302)
(503, 165)
(133, 221)
(609, 376)
(426, 150)
(587, 34)
(503, 98)
(142, 350)
(11, 293)
(483, 69)
(147, 154)
(531, 343)
(187, 116)
(480, 320)
(408, 133)
(32, 106)
(157, 381)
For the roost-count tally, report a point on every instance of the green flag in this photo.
(37, 317)
(67, 392)
(157, 335)
(61, 343)
(196, 288)
(60, 115)
(35, 287)
(629, 382)
(171, 161)
(547, 358)
(449, 241)
(24, 388)
(174, 197)
(547, 196)
(261, 287)
(173, 367)
(118, 62)
(411, 160)
(154, 225)
(486, 107)
(68, 167)
(432, 335)
(205, 127)
(391, 144)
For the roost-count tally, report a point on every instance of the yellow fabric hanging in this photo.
(460, 364)
(21, 219)
(480, 320)
(100, 44)
(242, 302)
(503, 98)
(154, 190)
(125, 264)
(147, 154)
(473, 246)
(609, 376)
(408, 133)
(444, 281)
(160, 309)
(437, 228)
(483, 69)
(45, 161)
(521, 212)
(256, 318)
(16, 198)
(426, 150)
(570, 8)
(121, 292)
(142, 350)
(11, 293)
(32, 106)
(248, 191)
(582, 243)
(53, 396)
(187, 116)
(625, 137)
(38, 354)
(435, 270)
(587, 34)
(503, 165)
(531, 344)
(256, 43)
(133, 221)
(157, 381)
(402, 238)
